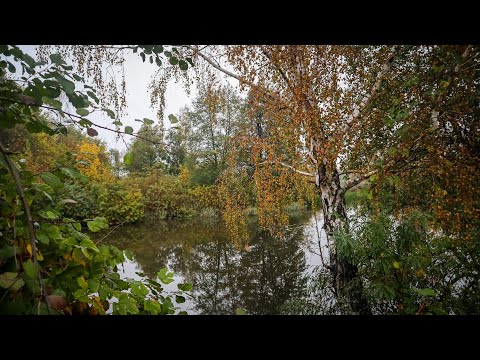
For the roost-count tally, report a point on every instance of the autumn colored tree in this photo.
(92, 161)
(341, 115)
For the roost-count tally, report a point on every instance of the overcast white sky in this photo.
(138, 75)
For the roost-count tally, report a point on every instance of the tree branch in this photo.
(28, 214)
(357, 180)
(72, 117)
(276, 66)
(367, 98)
(290, 167)
(436, 113)
(216, 66)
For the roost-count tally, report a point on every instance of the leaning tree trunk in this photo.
(346, 283)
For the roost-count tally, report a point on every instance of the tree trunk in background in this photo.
(346, 283)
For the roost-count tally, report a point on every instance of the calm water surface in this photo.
(224, 277)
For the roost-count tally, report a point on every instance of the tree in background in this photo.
(147, 152)
(92, 161)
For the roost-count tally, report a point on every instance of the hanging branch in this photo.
(28, 101)
(436, 113)
(367, 98)
(28, 214)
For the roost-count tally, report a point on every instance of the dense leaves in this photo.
(49, 264)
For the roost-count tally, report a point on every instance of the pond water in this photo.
(259, 278)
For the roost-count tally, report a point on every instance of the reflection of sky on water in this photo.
(224, 278)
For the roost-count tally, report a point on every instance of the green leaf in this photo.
(173, 60)
(67, 85)
(81, 281)
(70, 241)
(30, 269)
(164, 276)
(425, 292)
(29, 60)
(240, 311)
(147, 121)
(126, 305)
(128, 158)
(179, 299)
(158, 62)
(47, 232)
(190, 61)
(53, 181)
(152, 307)
(67, 201)
(7, 251)
(93, 96)
(110, 113)
(128, 130)
(83, 112)
(85, 123)
(56, 59)
(173, 119)
(396, 265)
(81, 295)
(97, 224)
(54, 103)
(89, 244)
(167, 53)
(71, 173)
(117, 123)
(185, 287)
(93, 285)
(128, 254)
(11, 67)
(183, 65)
(138, 289)
(182, 313)
(47, 214)
(8, 279)
(142, 54)
(78, 101)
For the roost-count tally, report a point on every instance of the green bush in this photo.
(85, 198)
(168, 198)
(409, 268)
(120, 203)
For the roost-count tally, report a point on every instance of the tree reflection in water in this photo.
(224, 277)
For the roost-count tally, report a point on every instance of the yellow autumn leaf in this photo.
(396, 265)
(39, 254)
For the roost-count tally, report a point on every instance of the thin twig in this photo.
(113, 229)
(28, 214)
